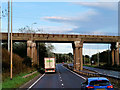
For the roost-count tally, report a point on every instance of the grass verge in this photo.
(90, 66)
(17, 81)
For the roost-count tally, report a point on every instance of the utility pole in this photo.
(98, 58)
(8, 26)
(0, 18)
(11, 43)
(108, 55)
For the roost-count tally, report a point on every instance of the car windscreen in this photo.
(99, 83)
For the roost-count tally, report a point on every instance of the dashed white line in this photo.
(74, 73)
(36, 82)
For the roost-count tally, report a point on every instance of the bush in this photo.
(27, 61)
(18, 65)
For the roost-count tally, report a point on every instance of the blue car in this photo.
(97, 83)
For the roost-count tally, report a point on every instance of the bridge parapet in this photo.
(61, 37)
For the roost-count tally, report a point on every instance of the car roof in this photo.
(97, 78)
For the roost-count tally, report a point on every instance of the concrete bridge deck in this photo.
(61, 38)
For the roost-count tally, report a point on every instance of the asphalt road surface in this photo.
(103, 71)
(63, 78)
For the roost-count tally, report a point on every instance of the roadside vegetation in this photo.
(66, 58)
(22, 64)
(105, 61)
(18, 80)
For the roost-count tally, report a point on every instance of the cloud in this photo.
(63, 47)
(104, 5)
(57, 29)
(92, 51)
(91, 20)
(71, 20)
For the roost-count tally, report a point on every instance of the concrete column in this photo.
(38, 54)
(113, 53)
(29, 48)
(117, 54)
(77, 64)
(78, 55)
(34, 53)
(81, 59)
(74, 65)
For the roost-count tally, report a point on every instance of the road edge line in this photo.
(36, 82)
(75, 73)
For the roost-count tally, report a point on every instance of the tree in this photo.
(49, 48)
(28, 29)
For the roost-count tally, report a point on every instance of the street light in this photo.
(32, 29)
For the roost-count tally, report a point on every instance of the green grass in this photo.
(17, 81)
(90, 65)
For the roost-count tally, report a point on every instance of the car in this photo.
(97, 83)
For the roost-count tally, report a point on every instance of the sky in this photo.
(95, 18)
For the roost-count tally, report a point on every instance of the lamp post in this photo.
(32, 29)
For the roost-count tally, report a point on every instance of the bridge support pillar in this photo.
(38, 53)
(115, 53)
(77, 51)
(29, 48)
(74, 65)
(32, 51)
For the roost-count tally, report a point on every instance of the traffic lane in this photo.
(69, 79)
(50, 80)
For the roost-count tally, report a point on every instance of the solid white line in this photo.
(75, 73)
(36, 82)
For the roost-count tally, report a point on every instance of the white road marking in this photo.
(61, 80)
(36, 82)
(62, 84)
(74, 73)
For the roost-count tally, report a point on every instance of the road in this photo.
(103, 71)
(63, 78)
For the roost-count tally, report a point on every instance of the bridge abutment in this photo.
(77, 51)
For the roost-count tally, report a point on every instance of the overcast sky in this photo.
(96, 17)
